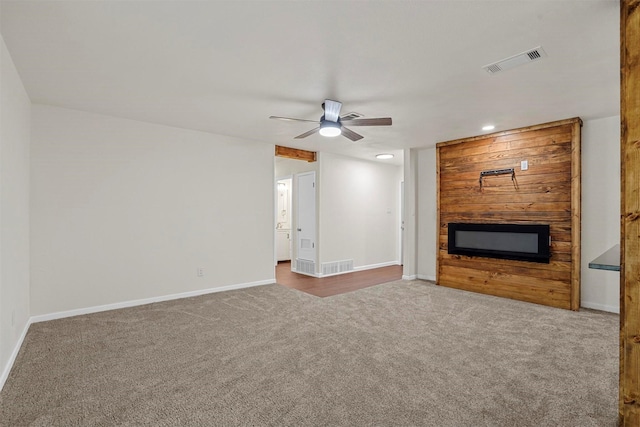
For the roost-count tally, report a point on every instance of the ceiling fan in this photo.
(331, 124)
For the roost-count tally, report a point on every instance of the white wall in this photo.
(125, 210)
(600, 210)
(358, 211)
(410, 220)
(427, 228)
(286, 167)
(15, 111)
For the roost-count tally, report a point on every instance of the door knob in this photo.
(299, 229)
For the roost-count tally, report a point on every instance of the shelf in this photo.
(610, 260)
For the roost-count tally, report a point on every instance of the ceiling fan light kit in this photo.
(331, 124)
(330, 129)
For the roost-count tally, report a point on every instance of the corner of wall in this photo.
(15, 136)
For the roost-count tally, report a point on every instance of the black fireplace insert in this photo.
(522, 242)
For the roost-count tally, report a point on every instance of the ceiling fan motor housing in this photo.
(331, 110)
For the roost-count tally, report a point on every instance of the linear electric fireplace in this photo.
(506, 241)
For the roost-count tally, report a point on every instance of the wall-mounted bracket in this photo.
(498, 172)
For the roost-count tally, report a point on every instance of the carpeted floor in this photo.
(402, 353)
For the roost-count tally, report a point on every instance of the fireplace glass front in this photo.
(523, 242)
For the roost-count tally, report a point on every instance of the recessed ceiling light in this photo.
(384, 156)
(488, 127)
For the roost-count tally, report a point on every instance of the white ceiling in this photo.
(225, 67)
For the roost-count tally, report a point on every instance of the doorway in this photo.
(284, 189)
(295, 191)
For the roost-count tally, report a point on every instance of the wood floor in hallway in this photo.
(335, 285)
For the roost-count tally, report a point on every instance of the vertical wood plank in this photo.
(438, 254)
(629, 406)
(576, 203)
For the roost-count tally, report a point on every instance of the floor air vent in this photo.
(305, 266)
(336, 267)
(516, 60)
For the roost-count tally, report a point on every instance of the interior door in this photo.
(306, 215)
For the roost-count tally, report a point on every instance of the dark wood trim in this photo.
(295, 153)
(629, 401)
(576, 203)
(438, 201)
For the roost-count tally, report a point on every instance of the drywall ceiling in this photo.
(225, 67)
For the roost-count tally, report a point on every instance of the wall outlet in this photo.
(524, 165)
(200, 272)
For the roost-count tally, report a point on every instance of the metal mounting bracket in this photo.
(498, 172)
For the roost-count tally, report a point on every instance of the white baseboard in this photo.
(305, 274)
(601, 307)
(419, 276)
(14, 354)
(379, 265)
(115, 306)
(133, 303)
(360, 268)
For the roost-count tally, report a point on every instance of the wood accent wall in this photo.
(547, 193)
(629, 406)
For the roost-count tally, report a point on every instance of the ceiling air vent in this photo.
(351, 116)
(515, 60)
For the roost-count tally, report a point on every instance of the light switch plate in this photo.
(524, 165)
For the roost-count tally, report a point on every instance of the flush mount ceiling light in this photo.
(384, 156)
(330, 129)
(488, 127)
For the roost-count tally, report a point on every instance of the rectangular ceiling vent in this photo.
(351, 116)
(516, 60)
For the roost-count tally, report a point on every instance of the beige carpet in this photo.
(403, 353)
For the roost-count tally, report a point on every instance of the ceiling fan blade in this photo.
(351, 134)
(290, 119)
(381, 121)
(306, 134)
(332, 110)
